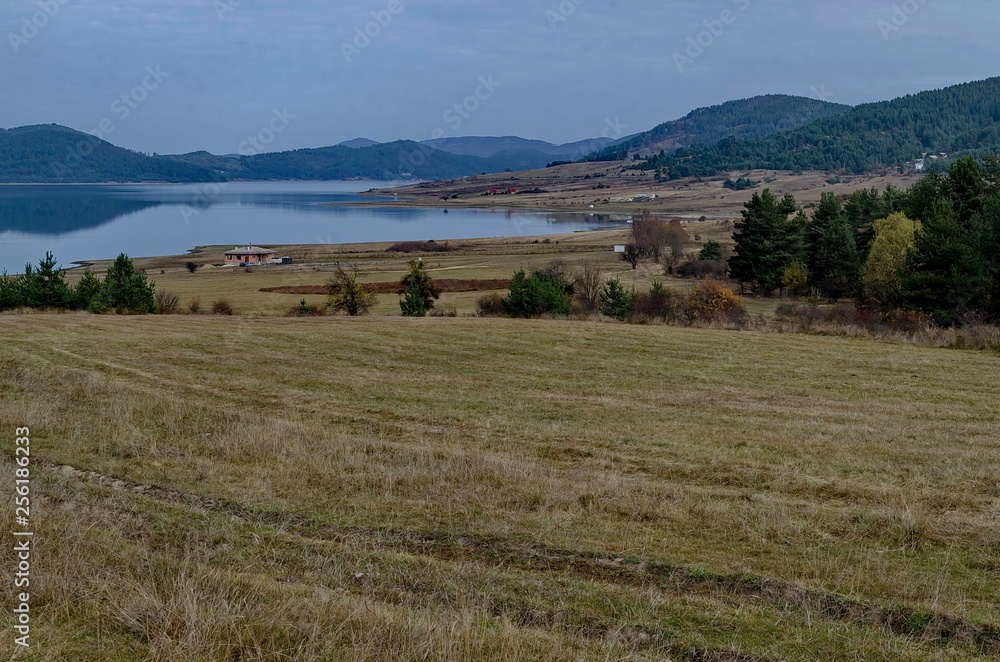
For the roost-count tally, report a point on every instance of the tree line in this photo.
(932, 249)
(123, 289)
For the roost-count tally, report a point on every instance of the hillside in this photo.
(50, 153)
(956, 119)
(745, 118)
(486, 146)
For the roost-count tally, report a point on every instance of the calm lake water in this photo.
(92, 222)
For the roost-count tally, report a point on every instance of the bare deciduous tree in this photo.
(588, 284)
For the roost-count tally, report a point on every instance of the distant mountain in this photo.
(397, 160)
(357, 143)
(747, 118)
(519, 153)
(962, 118)
(49, 153)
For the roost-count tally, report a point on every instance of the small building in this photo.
(243, 255)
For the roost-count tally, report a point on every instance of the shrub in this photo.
(538, 294)
(347, 295)
(587, 287)
(616, 301)
(447, 310)
(714, 302)
(419, 247)
(192, 267)
(698, 268)
(658, 304)
(490, 305)
(796, 279)
(167, 303)
(87, 290)
(223, 307)
(195, 306)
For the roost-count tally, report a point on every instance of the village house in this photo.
(248, 254)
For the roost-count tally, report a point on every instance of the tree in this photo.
(616, 301)
(631, 255)
(796, 278)
(587, 287)
(419, 291)
(10, 292)
(882, 275)
(126, 290)
(711, 251)
(45, 287)
(677, 239)
(944, 271)
(650, 234)
(87, 290)
(765, 242)
(537, 294)
(835, 260)
(347, 295)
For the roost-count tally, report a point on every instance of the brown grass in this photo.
(492, 489)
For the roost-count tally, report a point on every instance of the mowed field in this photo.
(250, 488)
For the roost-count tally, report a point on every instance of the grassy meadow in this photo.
(255, 488)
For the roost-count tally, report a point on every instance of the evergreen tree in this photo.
(836, 265)
(45, 287)
(419, 291)
(87, 290)
(10, 292)
(126, 290)
(944, 270)
(616, 301)
(766, 242)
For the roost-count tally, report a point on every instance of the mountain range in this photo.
(774, 132)
(954, 120)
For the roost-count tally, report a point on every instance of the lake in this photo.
(92, 222)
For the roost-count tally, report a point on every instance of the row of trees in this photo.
(123, 289)
(934, 248)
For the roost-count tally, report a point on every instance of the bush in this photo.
(223, 307)
(659, 304)
(192, 267)
(712, 301)
(490, 305)
(419, 247)
(195, 306)
(167, 303)
(540, 293)
(698, 268)
(127, 290)
(616, 301)
(447, 310)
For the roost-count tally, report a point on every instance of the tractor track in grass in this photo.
(918, 625)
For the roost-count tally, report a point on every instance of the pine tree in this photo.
(836, 265)
(419, 291)
(45, 287)
(944, 270)
(87, 290)
(126, 290)
(766, 242)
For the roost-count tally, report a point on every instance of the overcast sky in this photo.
(206, 74)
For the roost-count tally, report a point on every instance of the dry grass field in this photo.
(252, 488)
(577, 186)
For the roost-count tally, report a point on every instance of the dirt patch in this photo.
(446, 285)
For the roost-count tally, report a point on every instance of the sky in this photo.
(174, 76)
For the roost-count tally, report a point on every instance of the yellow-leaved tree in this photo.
(883, 273)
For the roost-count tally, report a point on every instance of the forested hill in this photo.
(958, 119)
(50, 154)
(745, 118)
(403, 159)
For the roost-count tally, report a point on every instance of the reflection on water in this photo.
(97, 222)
